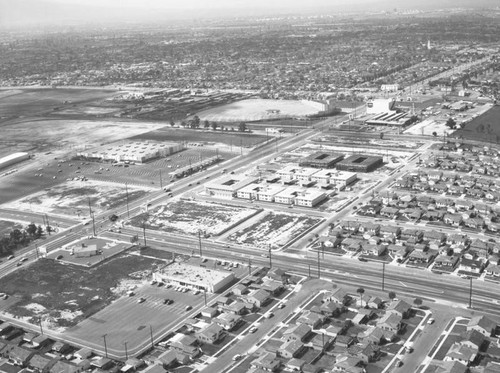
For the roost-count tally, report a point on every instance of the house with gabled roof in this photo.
(210, 334)
(390, 321)
(399, 307)
(390, 230)
(337, 295)
(310, 319)
(41, 364)
(62, 366)
(482, 324)
(461, 353)
(298, 332)
(471, 265)
(473, 338)
(19, 355)
(259, 297)
(267, 361)
(291, 349)
(372, 334)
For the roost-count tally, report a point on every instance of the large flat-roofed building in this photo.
(391, 118)
(268, 192)
(338, 178)
(287, 173)
(360, 163)
(309, 198)
(287, 195)
(13, 158)
(303, 175)
(249, 192)
(137, 151)
(321, 160)
(227, 186)
(194, 277)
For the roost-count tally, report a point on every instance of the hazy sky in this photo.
(44, 12)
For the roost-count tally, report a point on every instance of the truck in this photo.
(409, 347)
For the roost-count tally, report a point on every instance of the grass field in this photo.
(485, 127)
(63, 295)
(187, 217)
(275, 229)
(7, 226)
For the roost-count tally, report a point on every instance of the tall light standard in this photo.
(199, 243)
(105, 345)
(151, 334)
(126, 351)
(270, 258)
(93, 222)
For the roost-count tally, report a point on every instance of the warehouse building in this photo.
(360, 163)
(321, 160)
(194, 277)
(137, 151)
(13, 158)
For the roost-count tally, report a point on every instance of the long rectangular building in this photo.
(321, 160)
(360, 163)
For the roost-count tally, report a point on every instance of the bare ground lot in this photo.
(63, 295)
(187, 217)
(7, 226)
(274, 229)
(72, 198)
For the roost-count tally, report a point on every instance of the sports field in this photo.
(485, 127)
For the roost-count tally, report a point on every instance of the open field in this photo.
(274, 229)
(204, 136)
(259, 109)
(30, 102)
(7, 226)
(187, 217)
(485, 127)
(72, 198)
(63, 295)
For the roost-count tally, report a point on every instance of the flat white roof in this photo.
(290, 192)
(271, 189)
(230, 183)
(306, 171)
(310, 194)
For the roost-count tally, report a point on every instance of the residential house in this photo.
(471, 266)
(421, 257)
(62, 366)
(210, 334)
(461, 353)
(390, 230)
(493, 270)
(375, 302)
(370, 228)
(391, 322)
(228, 321)
(446, 262)
(259, 297)
(19, 355)
(375, 250)
(389, 212)
(267, 361)
(321, 341)
(239, 289)
(300, 332)
(344, 341)
(41, 364)
(399, 307)
(291, 349)
(337, 295)
(185, 344)
(482, 324)
(277, 274)
(474, 339)
(310, 319)
(295, 365)
(373, 335)
(348, 364)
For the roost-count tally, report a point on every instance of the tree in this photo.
(450, 123)
(392, 295)
(206, 124)
(242, 127)
(134, 239)
(361, 291)
(434, 134)
(214, 126)
(172, 123)
(39, 231)
(183, 124)
(196, 121)
(31, 230)
(418, 302)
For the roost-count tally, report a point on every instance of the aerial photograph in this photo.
(232, 186)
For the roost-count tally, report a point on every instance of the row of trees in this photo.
(20, 238)
(197, 123)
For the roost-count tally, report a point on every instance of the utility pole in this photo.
(105, 345)
(319, 268)
(126, 191)
(40, 323)
(144, 232)
(90, 208)
(126, 351)
(270, 258)
(151, 334)
(93, 223)
(249, 267)
(470, 292)
(161, 184)
(199, 243)
(205, 293)
(383, 276)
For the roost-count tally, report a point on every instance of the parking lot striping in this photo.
(402, 283)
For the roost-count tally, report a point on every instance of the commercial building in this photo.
(360, 163)
(13, 158)
(391, 118)
(287, 195)
(300, 197)
(138, 151)
(268, 192)
(321, 160)
(227, 186)
(194, 277)
(84, 251)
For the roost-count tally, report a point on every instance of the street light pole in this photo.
(270, 258)
(470, 293)
(105, 345)
(151, 333)
(383, 275)
(126, 352)
(199, 243)
(126, 191)
(93, 223)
